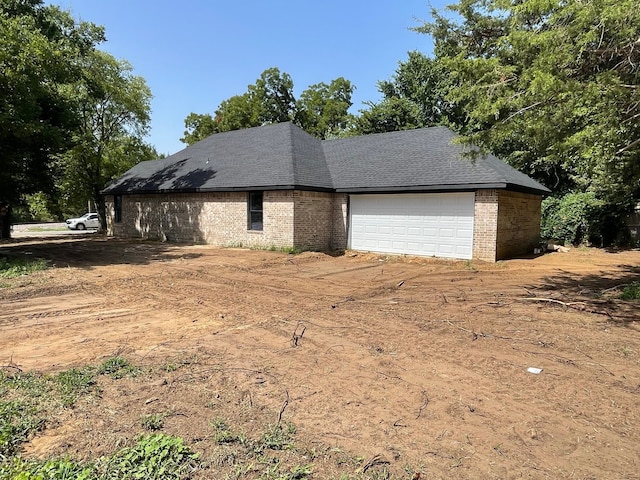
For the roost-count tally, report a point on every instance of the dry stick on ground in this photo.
(373, 461)
(582, 306)
(424, 404)
(284, 405)
(599, 364)
(296, 337)
(11, 364)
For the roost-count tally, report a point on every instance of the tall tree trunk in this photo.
(101, 206)
(5, 221)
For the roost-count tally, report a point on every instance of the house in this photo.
(409, 192)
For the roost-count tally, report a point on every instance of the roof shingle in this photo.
(283, 156)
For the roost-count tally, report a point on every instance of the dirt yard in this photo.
(421, 362)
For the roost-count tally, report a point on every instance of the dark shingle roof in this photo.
(421, 159)
(282, 156)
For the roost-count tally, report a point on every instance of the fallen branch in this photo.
(552, 300)
(581, 306)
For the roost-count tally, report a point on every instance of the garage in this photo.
(427, 224)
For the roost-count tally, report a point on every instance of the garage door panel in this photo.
(416, 224)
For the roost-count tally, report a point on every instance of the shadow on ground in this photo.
(595, 293)
(92, 251)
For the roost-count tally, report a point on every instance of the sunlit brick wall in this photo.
(518, 224)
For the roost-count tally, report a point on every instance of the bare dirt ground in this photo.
(420, 361)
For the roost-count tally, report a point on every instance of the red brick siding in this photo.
(485, 225)
(518, 224)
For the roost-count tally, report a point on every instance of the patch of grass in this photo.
(154, 456)
(11, 267)
(18, 422)
(279, 436)
(28, 400)
(54, 469)
(73, 383)
(224, 434)
(118, 367)
(631, 291)
(153, 421)
(626, 351)
(47, 229)
(289, 250)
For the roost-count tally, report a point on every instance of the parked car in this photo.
(88, 220)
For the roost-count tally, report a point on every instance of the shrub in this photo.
(631, 291)
(572, 219)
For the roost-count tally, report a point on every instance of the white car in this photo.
(88, 220)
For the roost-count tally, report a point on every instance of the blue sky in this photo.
(196, 53)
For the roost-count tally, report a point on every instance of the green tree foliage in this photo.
(416, 96)
(321, 110)
(71, 116)
(552, 87)
(113, 108)
(40, 48)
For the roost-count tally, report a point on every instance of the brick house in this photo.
(410, 192)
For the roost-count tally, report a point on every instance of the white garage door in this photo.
(431, 224)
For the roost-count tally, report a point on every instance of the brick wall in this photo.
(485, 225)
(312, 220)
(218, 218)
(518, 224)
(506, 223)
(340, 221)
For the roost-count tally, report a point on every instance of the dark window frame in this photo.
(255, 214)
(117, 208)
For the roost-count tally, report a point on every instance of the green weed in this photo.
(279, 436)
(631, 291)
(54, 469)
(154, 456)
(73, 383)
(118, 367)
(18, 421)
(11, 267)
(224, 434)
(153, 421)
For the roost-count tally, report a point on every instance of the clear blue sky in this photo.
(196, 53)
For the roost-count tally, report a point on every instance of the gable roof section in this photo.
(283, 156)
(425, 159)
(280, 156)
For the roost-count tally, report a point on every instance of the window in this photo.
(255, 211)
(117, 207)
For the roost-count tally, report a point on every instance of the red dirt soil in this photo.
(420, 361)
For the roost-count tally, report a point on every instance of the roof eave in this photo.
(254, 188)
(463, 187)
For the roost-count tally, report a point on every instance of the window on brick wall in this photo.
(255, 211)
(117, 208)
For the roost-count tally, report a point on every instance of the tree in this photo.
(269, 100)
(40, 48)
(113, 107)
(416, 96)
(323, 110)
(551, 86)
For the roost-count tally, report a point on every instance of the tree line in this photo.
(549, 86)
(71, 116)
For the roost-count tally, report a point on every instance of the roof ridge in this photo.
(292, 156)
